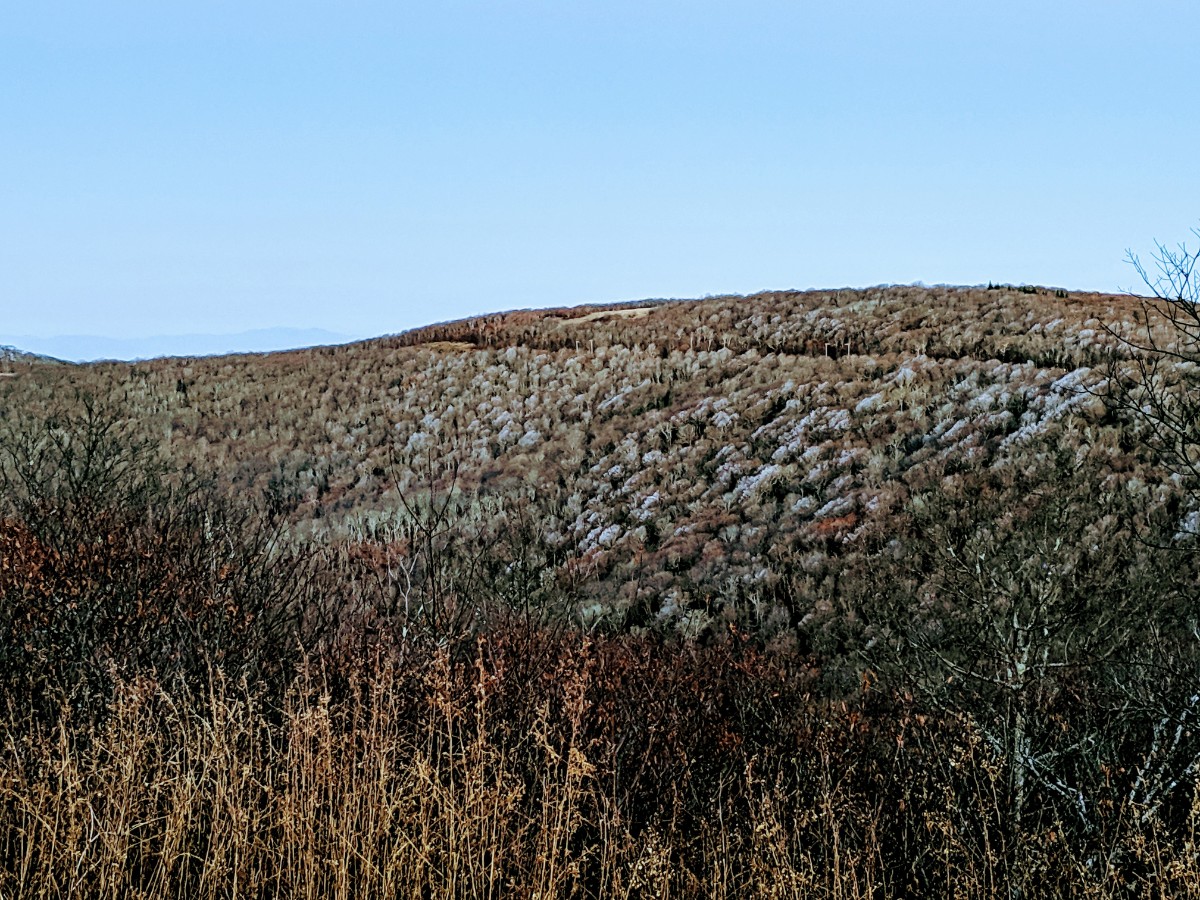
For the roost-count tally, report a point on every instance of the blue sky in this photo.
(366, 167)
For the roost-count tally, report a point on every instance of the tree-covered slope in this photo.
(691, 464)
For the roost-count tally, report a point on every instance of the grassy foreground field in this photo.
(609, 770)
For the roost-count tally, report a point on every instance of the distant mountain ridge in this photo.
(89, 348)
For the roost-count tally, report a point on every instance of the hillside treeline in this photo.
(694, 463)
(743, 618)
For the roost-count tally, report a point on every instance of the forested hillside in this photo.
(687, 462)
(904, 576)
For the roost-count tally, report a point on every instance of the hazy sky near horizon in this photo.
(366, 167)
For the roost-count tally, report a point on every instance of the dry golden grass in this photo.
(604, 315)
(415, 786)
(449, 346)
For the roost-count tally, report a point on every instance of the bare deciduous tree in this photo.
(1156, 375)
